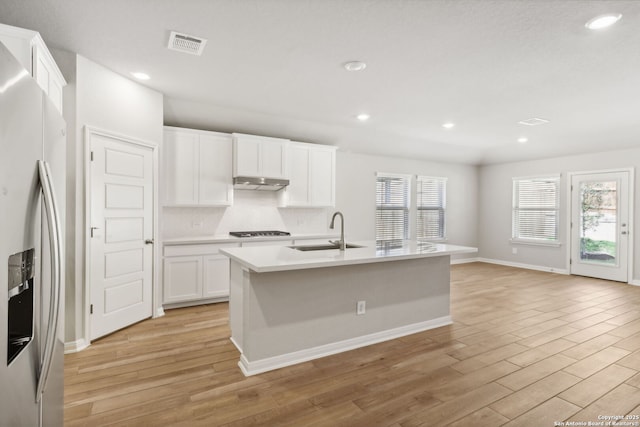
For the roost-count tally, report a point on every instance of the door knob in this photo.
(148, 242)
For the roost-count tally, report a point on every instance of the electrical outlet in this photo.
(361, 307)
(514, 251)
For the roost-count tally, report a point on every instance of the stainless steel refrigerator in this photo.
(32, 200)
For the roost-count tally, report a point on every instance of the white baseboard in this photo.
(635, 282)
(263, 365)
(194, 303)
(233, 341)
(159, 312)
(464, 260)
(75, 346)
(525, 266)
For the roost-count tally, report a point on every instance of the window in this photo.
(392, 207)
(536, 204)
(431, 194)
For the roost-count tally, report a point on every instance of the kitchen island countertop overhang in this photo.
(269, 259)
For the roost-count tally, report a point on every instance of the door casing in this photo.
(569, 204)
(89, 131)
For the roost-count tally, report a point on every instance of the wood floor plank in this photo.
(589, 332)
(547, 414)
(459, 407)
(631, 361)
(535, 372)
(485, 417)
(525, 347)
(596, 362)
(541, 352)
(618, 401)
(473, 380)
(632, 343)
(534, 394)
(591, 346)
(592, 388)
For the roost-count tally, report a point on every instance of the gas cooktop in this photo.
(267, 233)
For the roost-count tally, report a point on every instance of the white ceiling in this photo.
(274, 67)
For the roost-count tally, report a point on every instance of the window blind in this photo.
(392, 207)
(536, 203)
(431, 203)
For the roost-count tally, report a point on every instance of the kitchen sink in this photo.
(324, 247)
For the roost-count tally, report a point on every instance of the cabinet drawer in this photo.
(204, 249)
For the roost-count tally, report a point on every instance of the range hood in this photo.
(255, 183)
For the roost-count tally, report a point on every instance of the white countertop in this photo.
(281, 258)
(225, 238)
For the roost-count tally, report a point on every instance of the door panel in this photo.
(599, 225)
(122, 219)
(119, 230)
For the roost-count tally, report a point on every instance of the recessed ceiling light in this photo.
(448, 125)
(141, 76)
(354, 66)
(522, 140)
(363, 117)
(603, 21)
(534, 121)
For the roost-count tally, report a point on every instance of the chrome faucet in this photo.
(333, 219)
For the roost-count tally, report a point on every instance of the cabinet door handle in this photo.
(148, 242)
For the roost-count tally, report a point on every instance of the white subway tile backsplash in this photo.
(252, 210)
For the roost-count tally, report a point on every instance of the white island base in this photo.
(280, 318)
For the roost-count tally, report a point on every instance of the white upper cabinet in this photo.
(297, 193)
(29, 48)
(312, 173)
(197, 168)
(215, 178)
(322, 175)
(260, 156)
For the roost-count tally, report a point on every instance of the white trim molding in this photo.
(81, 228)
(263, 365)
(631, 243)
(75, 346)
(525, 266)
(464, 260)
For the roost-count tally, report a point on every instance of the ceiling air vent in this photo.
(186, 43)
(533, 122)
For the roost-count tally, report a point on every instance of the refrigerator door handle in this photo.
(55, 242)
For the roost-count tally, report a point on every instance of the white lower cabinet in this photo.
(182, 279)
(195, 273)
(216, 276)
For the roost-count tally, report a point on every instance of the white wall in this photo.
(251, 210)
(356, 193)
(99, 98)
(496, 201)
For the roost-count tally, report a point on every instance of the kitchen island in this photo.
(288, 306)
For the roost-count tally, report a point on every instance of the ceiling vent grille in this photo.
(535, 121)
(186, 43)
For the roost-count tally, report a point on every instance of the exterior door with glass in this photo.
(600, 225)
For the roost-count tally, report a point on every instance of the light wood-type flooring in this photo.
(526, 348)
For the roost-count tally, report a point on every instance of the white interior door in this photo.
(121, 263)
(600, 225)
